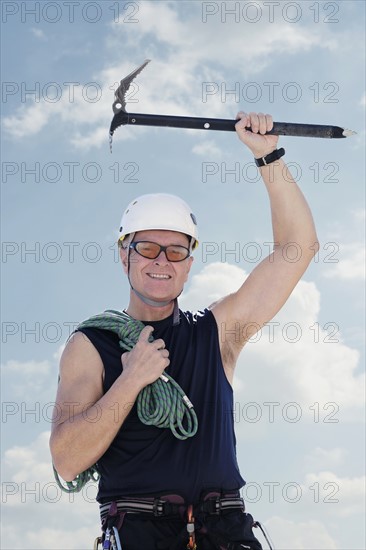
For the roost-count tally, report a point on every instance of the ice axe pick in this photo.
(227, 125)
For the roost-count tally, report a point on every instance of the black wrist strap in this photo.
(275, 155)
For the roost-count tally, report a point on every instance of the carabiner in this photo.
(265, 534)
(116, 544)
(190, 528)
(107, 539)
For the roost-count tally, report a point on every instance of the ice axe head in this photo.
(119, 104)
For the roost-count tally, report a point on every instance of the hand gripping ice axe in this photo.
(121, 117)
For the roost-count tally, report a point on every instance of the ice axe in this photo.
(227, 125)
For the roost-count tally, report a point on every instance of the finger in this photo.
(254, 122)
(262, 123)
(243, 121)
(159, 343)
(240, 115)
(269, 120)
(146, 333)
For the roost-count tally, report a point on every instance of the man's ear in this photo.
(189, 265)
(123, 252)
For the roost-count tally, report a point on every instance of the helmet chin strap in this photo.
(155, 303)
(149, 301)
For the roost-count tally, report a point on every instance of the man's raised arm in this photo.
(269, 285)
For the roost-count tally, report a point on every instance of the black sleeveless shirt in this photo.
(146, 460)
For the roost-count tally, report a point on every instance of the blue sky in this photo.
(299, 401)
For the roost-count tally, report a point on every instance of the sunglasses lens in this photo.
(148, 250)
(176, 253)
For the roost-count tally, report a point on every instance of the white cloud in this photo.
(344, 248)
(351, 265)
(80, 106)
(27, 121)
(91, 139)
(38, 33)
(206, 148)
(35, 380)
(325, 458)
(50, 519)
(359, 215)
(161, 22)
(290, 535)
(345, 495)
(57, 355)
(212, 283)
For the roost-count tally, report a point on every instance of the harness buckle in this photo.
(190, 528)
(211, 506)
(156, 508)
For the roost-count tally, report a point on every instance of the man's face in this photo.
(158, 279)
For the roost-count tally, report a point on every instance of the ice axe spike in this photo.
(121, 117)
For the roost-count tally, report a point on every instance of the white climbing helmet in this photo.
(159, 211)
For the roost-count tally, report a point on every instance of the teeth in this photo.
(158, 276)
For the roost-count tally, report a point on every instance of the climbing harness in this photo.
(113, 513)
(213, 504)
(162, 404)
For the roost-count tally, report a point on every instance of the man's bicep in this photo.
(80, 379)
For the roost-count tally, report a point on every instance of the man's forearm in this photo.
(292, 220)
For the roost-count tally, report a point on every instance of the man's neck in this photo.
(143, 312)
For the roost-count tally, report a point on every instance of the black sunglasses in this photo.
(173, 252)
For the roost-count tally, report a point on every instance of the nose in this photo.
(161, 259)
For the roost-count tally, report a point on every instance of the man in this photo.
(198, 350)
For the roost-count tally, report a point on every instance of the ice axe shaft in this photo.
(226, 125)
(121, 117)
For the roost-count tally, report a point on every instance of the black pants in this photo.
(146, 532)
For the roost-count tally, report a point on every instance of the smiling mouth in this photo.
(159, 276)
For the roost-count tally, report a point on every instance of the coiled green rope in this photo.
(162, 404)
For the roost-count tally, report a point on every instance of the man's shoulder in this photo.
(200, 317)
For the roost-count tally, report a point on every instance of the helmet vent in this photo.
(193, 217)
